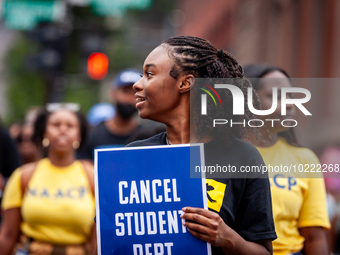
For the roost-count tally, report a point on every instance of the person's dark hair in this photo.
(197, 56)
(256, 71)
(40, 127)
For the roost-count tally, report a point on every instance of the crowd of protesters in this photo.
(46, 162)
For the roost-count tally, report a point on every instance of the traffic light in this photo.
(52, 46)
(97, 66)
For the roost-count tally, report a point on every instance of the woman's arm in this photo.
(315, 241)
(313, 219)
(92, 243)
(95, 252)
(10, 230)
(210, 227)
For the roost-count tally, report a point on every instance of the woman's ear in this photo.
(187, 83)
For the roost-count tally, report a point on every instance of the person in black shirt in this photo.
(124, 124)
(9, 158)
(240, 218)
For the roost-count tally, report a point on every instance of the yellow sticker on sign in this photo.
(215, 194)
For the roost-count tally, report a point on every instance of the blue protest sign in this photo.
(140, 192)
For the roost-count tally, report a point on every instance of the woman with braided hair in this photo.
(239, 219)
(299, 208)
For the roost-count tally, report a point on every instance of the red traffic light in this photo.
(97, 66)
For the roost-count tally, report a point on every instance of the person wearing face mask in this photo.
(124, 124)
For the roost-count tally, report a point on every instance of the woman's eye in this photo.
(148, 75)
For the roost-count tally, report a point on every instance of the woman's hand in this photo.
(210, 227)
(207, 226)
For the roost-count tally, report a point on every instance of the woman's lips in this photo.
(62, 140)
(140, 100)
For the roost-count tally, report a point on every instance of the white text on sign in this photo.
(129, 194)
(158, 249)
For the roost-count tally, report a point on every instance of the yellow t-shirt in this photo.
(58, 206)
(297, 202)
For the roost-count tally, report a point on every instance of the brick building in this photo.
(302, 36)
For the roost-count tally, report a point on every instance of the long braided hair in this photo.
(197, 56)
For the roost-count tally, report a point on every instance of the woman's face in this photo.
(157, 93)
(62, 129)
(277, 80)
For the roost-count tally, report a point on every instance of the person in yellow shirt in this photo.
(51, 201)
(299, 204)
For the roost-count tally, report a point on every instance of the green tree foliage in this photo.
(28, 87)
(24, 88)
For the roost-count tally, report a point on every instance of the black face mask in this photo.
(126, 111)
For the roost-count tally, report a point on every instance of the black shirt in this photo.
(243, 203)
(9, 156)
(101, 136)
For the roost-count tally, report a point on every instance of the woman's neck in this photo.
(178, 132)
(61, 159)
(267, 139)
(180, 126)
(183, 131)
(177, 122)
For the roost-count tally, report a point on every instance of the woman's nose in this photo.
(63, 128)
(138, 86)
